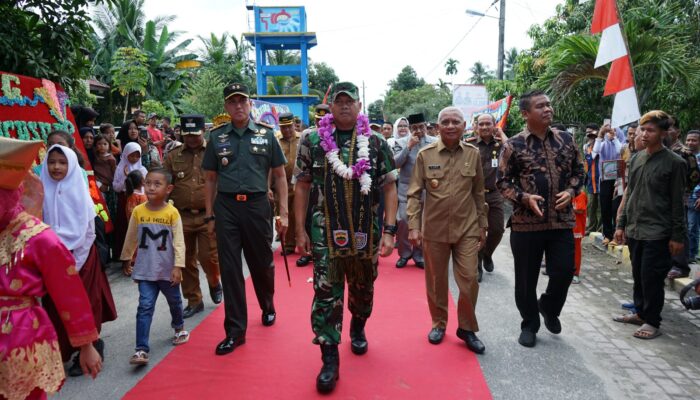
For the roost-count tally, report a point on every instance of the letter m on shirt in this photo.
(149, 236)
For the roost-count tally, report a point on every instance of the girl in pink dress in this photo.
(34, 262)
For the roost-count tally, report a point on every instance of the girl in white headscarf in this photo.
(70, 211)
(130, 161)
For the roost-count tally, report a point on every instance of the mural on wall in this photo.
(280, 19)
(266, 112)
(30, 109)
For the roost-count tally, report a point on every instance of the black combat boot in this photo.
(358, 341)
(325, 382)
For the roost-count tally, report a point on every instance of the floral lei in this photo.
(357, 171)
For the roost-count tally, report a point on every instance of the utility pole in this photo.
(364, 104)
(501, 34)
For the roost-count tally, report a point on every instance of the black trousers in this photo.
(607, 210)
(650, 264)
(528, 248)
(496, 223)
(244, 225)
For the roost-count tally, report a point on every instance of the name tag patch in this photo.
(433, 167)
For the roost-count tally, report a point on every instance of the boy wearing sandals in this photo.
(652, 221)
(156, 228)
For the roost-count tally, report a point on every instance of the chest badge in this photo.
(224, 161)
(180, 175)
(434, 183)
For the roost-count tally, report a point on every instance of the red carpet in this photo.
(280, 362)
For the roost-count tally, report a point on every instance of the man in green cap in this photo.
(345, 165)
(238, 159)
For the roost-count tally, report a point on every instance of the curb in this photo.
(622, 254)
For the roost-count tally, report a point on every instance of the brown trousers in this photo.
(198, 246)
(464, 260)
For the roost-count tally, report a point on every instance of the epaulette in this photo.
(470, 145)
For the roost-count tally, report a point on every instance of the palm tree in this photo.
(480, 74)
(511, 59)
(661, 51)
(451, 67)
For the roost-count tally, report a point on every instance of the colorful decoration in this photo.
(360, 168)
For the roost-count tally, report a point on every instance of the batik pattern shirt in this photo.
(530, 166)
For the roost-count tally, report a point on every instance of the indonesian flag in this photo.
(613, 49)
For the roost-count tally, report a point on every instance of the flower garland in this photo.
(357, 171)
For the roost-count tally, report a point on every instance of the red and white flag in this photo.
(613, 49)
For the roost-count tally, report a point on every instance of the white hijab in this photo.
(68, 207)
(119, 174)
(397, 135)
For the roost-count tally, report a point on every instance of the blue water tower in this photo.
(283, 28)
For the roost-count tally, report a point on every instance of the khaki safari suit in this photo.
(188, 195)
(450, 220)
(289, 148)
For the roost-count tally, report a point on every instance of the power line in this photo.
(461, 40)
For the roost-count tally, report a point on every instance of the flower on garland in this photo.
(362, 165)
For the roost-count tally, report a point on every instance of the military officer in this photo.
(405, 152)
(185, 164)
(451, 222)
(320, 111)
(238, 159)
(289, 140)
(489, 140)
(346, 241)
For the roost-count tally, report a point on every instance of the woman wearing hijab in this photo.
(400, 130)
(70, 211)
(130, 161)
(87, 134)
(130, 132)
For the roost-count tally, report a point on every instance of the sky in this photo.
(370, 41)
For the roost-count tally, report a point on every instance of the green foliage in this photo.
(321, 75)
(451, 67)
(406, 80)
(204, 94)
(153, 106)
(46, 39)
(81, 95)
(480, 74)
(376, 110)
(427, 99)
(499, 89)
(129, 71)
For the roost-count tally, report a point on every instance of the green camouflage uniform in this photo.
(327, 307)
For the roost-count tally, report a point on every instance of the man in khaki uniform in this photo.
(289, 140)
(184, 163)
(451, 222)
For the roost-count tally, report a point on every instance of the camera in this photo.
(690, 302)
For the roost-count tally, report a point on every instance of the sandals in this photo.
(629, 319)
(181, 337)
(139, 358)
(647, 332)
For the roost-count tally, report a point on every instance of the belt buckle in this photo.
(241, 197)
(194, 211)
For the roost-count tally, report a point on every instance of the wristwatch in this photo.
(391, 229)
(209, 218)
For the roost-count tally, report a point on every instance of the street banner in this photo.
(499, 109)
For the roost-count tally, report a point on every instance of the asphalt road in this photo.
(593, 358)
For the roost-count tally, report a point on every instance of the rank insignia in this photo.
(340, 237)
(224, 161)
(434, 183)
(180, 175)
(263, 131)
(360, 240)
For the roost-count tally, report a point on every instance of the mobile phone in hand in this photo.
(606, 121)
(143, 132)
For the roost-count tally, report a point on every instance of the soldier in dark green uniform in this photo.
(345, 236)
(238, 159)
